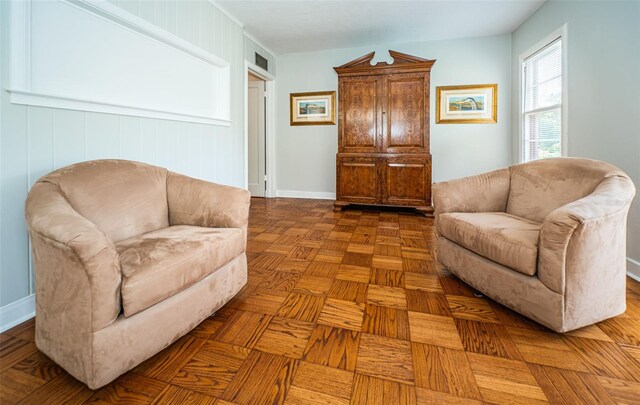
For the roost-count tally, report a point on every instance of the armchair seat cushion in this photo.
(159, 264)
(503, 238)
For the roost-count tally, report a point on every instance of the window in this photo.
(542, 103)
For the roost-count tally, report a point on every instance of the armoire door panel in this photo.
(359, 112)
(405, 113)
(406, 182)
(405, 107)
(358, 181)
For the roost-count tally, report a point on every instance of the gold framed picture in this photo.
(314, 108)
(467, 104)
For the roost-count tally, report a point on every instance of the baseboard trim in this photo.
(17, 312)
(318, 195)
(633, 269)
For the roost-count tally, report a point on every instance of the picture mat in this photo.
(323, 103)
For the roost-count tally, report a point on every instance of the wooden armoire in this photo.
(383, 133)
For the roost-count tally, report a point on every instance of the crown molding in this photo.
(241, 24)
(226, 12)
(364, 60)
(402, 63)
(260, 44)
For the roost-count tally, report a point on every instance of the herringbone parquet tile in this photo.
(352, 307)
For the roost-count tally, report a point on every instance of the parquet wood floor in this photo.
(352, 308)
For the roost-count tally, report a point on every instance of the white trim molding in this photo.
(271, 139)
(633, 269)
(69, 103)
(270, 126)
(17, 312)
(260, 72)
(211, 105)
(316, 195)
(561, 33)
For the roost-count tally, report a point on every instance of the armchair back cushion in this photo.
(541, 186)
(122, 198)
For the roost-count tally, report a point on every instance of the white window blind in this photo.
(542, 73)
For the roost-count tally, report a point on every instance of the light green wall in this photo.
(603, 52)
(35, 140)
(306, 154)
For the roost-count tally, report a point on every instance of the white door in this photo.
(257, 156)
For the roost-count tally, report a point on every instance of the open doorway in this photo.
(259, 130)
(256, 136)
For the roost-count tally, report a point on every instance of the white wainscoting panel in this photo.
(34, 140)
(92, 55)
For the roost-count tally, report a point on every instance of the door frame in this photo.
(270, 126)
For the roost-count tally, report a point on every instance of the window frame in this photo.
(561, 34)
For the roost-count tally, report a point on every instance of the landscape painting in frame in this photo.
(314, 108)
(467, 104)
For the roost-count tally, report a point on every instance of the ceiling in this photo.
(306, 25)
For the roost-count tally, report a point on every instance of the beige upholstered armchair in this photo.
(545, 238)
(128, 258)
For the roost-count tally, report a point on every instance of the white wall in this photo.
(603, 51)
(35, 141)
(306, 154)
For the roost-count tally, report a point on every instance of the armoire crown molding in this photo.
(402, 63)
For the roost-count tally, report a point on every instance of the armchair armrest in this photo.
(71, 245)
(586, 236)
(201, 203)
(486, 192)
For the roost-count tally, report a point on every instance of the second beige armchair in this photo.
(545, 238)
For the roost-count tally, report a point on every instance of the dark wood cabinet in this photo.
(383, 133)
